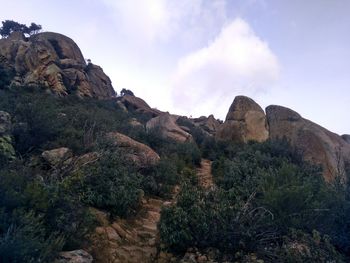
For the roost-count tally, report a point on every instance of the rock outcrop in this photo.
(318, 145)
(346, 137)
(167, 127)
(137, 104)
(142, 155)
(208, 124)
(55, 61)
(57, 157)
(131, 241)
(245, 121)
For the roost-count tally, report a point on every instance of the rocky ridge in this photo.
(318, 145)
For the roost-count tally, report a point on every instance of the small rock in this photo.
(202, 259)
(100, 230)
(121, 232)
(57, 156)
(112, 234)
(75, 256)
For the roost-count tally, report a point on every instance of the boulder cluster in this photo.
(246, 121)
(53, 61)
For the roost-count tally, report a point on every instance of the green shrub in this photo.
(37, 220)
(6, 76)
(299, 247)
(24, 238)
(161, 179)
(109, 184)
(174, 229)
(264, 190)
(189, 153)
(42, 120)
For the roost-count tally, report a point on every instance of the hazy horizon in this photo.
(194, 57)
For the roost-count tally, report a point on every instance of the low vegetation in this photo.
(43, 209)
(267, 201)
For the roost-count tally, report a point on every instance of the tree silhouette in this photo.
(9, 26)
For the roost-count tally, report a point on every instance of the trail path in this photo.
(132, 241)
(137, 240)
(204, 174)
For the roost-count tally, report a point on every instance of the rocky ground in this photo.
(137, 240)
(129, 241)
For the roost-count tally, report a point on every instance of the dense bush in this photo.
(6, 76)
(161, 179)
(267, 200)
(264, 191)
(109, 184)
(44, 121)
(37, 220)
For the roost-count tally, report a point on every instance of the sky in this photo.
(192, 57)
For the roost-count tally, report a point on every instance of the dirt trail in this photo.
(130, 241)
(136, 240)
(204, 174)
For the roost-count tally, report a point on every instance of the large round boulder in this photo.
(245, 121)
(318, 145)
(58, 156)
(167, 127)
(138, 153)
(137, 104)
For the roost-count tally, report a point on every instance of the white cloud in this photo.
(141, 19)
(236, 62)
(148, 21)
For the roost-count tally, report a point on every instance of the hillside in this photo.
(89, 175)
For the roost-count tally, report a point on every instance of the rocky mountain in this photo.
(53, 61)
(111, 179)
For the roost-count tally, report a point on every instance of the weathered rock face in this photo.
(138, 104)
(208, 124)
(142, 155)
(55, 61)
(57, 156)
(318, 145)
(75, 256)
(346, 137)
(245, 121)
(166, 125)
